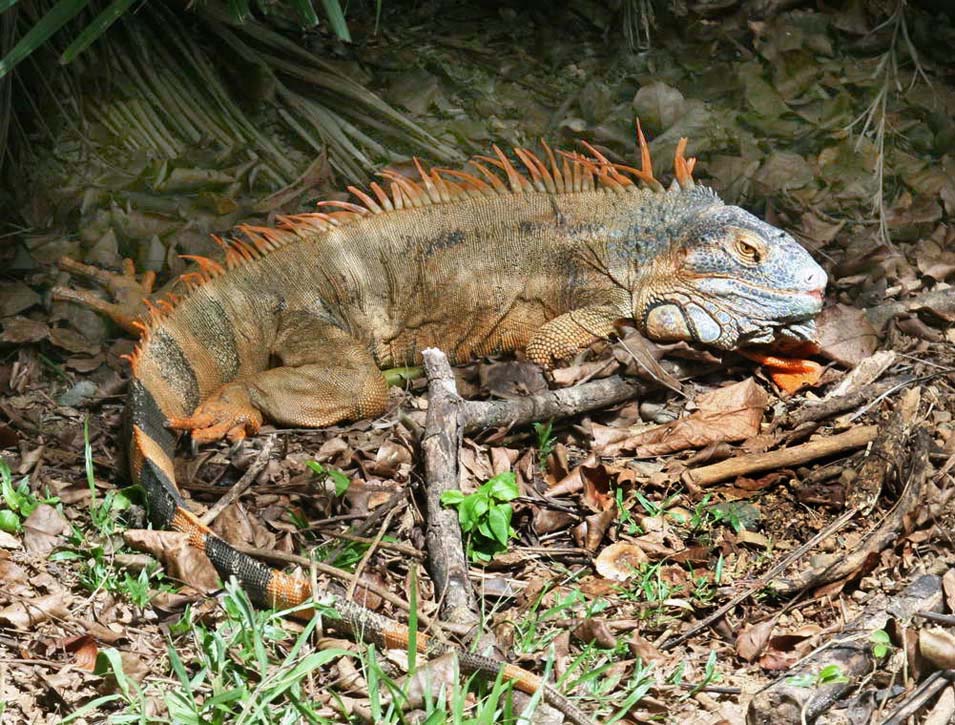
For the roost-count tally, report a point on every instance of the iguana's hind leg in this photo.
(325, 376)
(128, 292)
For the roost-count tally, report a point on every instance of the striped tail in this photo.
(151, 448)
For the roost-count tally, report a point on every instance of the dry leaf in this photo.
(16, 297)
(620, 561)
(936, 259)
(237, 526)
(28, 613)
(845, 335)
(867, 371)
(429, 678)
(43, 529)
(20, 330)
(84, 651)
(938, 647)
(644, 649)
(388, 459)
(182, 561)
(732, 413)
(592, 529)
(752, 640)
(512, 379)
(548, 520)
(598, 494)
(595, 631)
(948, 586)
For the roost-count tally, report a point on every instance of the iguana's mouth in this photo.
(804, 305)
(803, 330)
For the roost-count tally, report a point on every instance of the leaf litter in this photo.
(615, 555)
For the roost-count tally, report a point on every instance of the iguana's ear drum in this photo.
(666, 323)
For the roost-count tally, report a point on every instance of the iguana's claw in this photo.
(228, 413)
(129, 293)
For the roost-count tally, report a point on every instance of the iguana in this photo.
(297, 322)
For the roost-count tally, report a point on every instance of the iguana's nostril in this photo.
(816, 279)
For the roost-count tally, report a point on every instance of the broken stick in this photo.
(440, 444)
(785, 457)
(560, 403)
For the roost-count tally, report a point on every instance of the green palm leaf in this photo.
(56, 18)
(99, 25)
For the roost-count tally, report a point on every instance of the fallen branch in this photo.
(560, 403)
(920, 697)
(783, 458)
(941, 302)
(789, 700)
(282, 557)
(440, 445)
(882, 464)
(829, 407)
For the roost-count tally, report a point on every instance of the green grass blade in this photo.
(56, 18)
(95, 29)
(239, 10)
(307, 12)
(336, 18)
(7, 4)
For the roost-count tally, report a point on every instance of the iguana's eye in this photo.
(747, 252)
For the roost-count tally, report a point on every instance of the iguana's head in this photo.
(730, 280)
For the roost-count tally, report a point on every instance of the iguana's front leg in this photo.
(325, 376)
(565, 336)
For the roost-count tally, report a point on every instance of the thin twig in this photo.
(243, 484)
(403, 549)
(369, 553)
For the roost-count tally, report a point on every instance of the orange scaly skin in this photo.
(296, 322)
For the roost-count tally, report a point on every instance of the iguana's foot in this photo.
(130, 294)
(227, 413)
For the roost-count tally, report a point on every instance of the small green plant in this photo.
(18, 500)
(704, 590)
(701, 518)
(652, 509)
(338, 478)
(102, 513)
(545, 442)
(710, 675)
(137, 588)
(727, 516)
(828, 675)
(485, 515)
(625, 517)
(881, 643)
